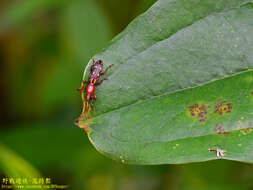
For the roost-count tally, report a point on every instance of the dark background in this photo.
(44, 48)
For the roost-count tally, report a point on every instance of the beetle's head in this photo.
(100, 62)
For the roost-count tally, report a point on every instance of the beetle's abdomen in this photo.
(90, 89)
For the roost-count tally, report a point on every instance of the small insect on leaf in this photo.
(96, 71)
(219, 152)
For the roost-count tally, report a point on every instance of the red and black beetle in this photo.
(96, 71)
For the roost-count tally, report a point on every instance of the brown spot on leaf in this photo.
(198, 111)
(166, 100)
(223, 108)
(246, 131)
(219, 129)
(251, 93)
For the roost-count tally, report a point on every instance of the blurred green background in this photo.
(44, 48)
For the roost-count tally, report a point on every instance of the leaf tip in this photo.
(84, 122)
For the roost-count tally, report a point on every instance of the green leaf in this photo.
(181, 84)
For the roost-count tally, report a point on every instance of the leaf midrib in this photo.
(138, 102)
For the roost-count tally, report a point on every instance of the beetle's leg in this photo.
(103, 73)
(100, 82)
(94, 96)
(91, 107)
(86, 105)
(80, 89)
